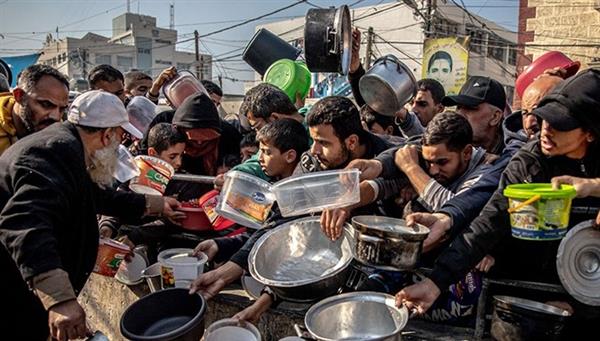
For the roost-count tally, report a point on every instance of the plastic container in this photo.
(154, 177)
(548, 60)
(232, 330)
(195, 218)
(292, 77)
(546, 218)
(184, 85)
(141, 112)
(179, 268)
(130, 273)
(153, 277)
(317, 191)
(265, 48)
(126, 167)
(110, 255)
(209, 202)
(245, 199)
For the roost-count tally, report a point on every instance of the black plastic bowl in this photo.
(171, 314)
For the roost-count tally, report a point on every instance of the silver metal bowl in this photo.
(298, 262)
(358, 315)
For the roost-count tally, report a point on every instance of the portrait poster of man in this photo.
(446, 60)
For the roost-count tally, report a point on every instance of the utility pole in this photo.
(220, 81)
(369, 53)
(197, 40)
(128, 6)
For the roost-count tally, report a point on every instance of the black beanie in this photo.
(197, 111)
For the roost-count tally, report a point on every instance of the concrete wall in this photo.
(569, 24)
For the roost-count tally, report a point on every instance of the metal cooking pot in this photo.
(362, 315)
(299, 263)
(388, 85)
(170, 314)
(265, 48)
(387, 243)
(328, 40)
(518, 319)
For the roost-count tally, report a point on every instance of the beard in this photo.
(104, 164)
(341, 161)
(26, 116)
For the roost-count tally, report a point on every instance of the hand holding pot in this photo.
(583, 187)
(209, 284)
(219, 181)
(255, 311)
(208, 247)
(438, 223)
(369, 169)
(486, 263)
(165, 76)
(332, 222)
(170, 210)
(67, 321)
(419, 296)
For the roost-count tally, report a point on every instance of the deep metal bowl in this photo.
(298, 262)
(358, 315)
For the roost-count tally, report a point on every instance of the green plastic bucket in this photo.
(546, 218)
(290, 76)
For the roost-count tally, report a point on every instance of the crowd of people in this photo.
(442, 161)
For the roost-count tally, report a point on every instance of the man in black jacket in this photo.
(52, 185)
(568, 145)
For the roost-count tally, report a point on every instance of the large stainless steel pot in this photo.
(516, 319)
(387, 243)
(388, 85)
(299, 263)
(362, 315)
(328, 40)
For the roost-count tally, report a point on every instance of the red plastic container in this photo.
(110, 255)
(548, 60)
(209, 202)
(196, 219)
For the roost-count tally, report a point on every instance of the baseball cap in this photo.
(574, 103)
(478, 90)
(100, 109)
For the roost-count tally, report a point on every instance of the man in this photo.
(214, 91)
(568, 145)
(439, 68)
(338, 136)
(265, 103)
(425, 105)
(137, 83)
(532, 95)
(445, 164)
(107, 78)
(40, 99)
(53, 183)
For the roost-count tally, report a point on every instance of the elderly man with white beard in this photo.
(52, 185)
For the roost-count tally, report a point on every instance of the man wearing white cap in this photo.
(52, 185)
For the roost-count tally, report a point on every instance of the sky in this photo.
(24, 24)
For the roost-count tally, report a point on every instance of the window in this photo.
(512, 56)
(183, 66)
(155, 33)
(103, 59)
(124, 63)
(162, 62)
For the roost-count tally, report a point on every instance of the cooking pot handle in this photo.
(389, 58)
(371, 239)
(302, 332)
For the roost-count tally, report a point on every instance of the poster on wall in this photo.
(446, 60)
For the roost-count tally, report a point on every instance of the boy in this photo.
(165, 142)
(282, 142)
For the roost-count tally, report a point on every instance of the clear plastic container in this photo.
(245, 199)
(317, 191)
(181, 87)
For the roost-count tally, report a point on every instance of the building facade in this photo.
(136, 43)
(572, 27)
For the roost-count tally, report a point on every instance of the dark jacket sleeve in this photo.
(128, 206)
(228, 246)
(354, 78)
(487, 230)
(28, 219)
(241, 257)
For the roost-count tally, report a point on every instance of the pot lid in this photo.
(130, 273)
(391, 227)
(578, 263)
(344, 35)
(532, 305)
